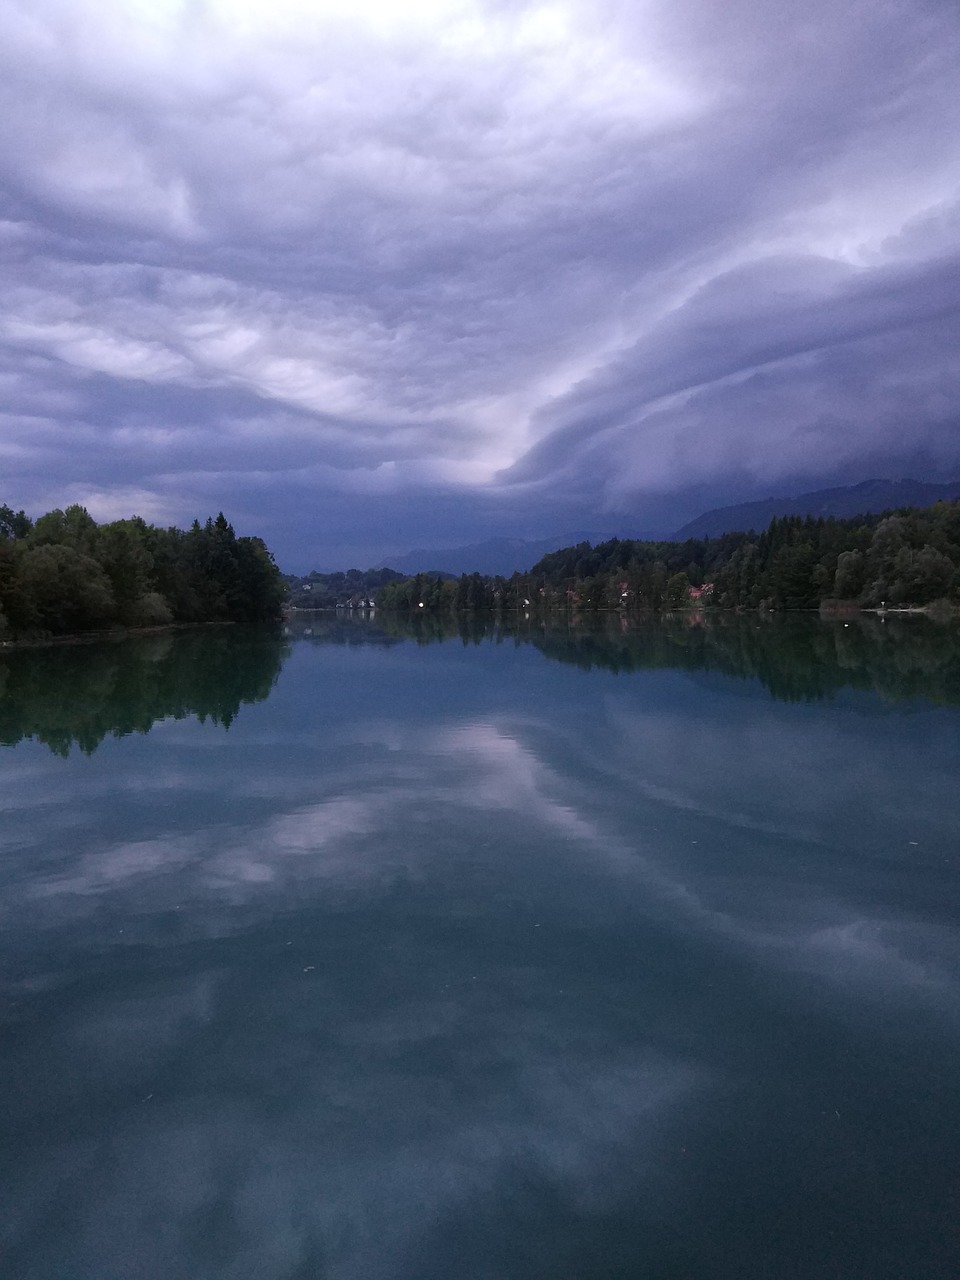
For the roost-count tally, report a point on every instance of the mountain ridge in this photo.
(493, 556)
(842, 502)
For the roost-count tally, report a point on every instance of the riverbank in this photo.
(99, 637)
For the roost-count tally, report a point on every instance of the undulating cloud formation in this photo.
(369, 276)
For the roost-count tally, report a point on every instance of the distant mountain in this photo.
(844, 502)
(502, 556)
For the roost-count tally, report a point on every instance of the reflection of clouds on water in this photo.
(422, 1078)
(368, 828)
(473, 1088)
(878, 955)
(350, 839)
(128, 1031)
(874, 952)
(110, 869)
(504, 774)
(248, 1194)
(514, 1095)
(814, 772)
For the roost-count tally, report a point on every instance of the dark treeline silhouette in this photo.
(909, 557)
(66, 575)
(78, 695)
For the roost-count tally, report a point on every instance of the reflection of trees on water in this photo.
(77, 695)
(798, 658)
(386, 628)
(341, 628)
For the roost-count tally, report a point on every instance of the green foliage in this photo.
(67, 590)
(14, 524)
(66, 574)
(678, 590)
(910, 557)
(431, 592)
(353, 588)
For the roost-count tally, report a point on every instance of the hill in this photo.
(907, 558)
(503, 556)
(841, 503)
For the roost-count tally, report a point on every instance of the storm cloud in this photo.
(365, 277)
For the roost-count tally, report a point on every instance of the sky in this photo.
(370, 276)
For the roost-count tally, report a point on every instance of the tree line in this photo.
(64, 574)
(353, 587)
(900, 558)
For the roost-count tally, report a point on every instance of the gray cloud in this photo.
(362, 277)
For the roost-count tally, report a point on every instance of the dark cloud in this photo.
(366, 277)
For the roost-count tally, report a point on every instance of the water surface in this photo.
(369, 951)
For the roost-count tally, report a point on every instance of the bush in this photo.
(152, 610)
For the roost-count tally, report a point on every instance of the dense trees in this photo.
(66, 574)
(355, 587)
(910, 557)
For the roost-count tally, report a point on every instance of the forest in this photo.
(909, 557)
(64, 574)
(327, 590)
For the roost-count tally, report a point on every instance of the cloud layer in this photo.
(363, 277)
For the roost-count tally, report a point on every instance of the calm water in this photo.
(585, 955)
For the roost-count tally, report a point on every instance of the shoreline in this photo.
(828, 613)
(127, 633)
(115, 633)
